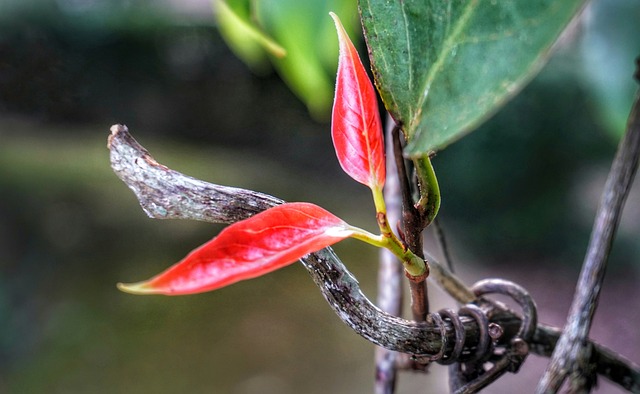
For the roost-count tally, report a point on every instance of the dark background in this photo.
(519, 196)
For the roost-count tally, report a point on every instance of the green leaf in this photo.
(305, 30)
(247, 41)
(298, 35)
(444, 67)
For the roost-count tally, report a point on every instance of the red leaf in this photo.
(263, 243)
(355, 125)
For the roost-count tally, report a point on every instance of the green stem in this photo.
(378, 200)
(429, 202)
(414, 265)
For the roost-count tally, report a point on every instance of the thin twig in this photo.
(390, 276)
(441, 239)
(608, 363)
(449, 282)
(167, 194)
(571, 355)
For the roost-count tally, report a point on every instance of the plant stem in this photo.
(571, 355)
(378, 200)
(441, 239)
(413, 224)
(449, 282)
(413, 264)
(429, 202)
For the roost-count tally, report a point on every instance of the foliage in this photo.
(408, 76)
(308, 51)
(281, 235)
(414, 80)
(446, 66)
(253, 247)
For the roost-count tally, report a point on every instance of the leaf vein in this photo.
(445, 51)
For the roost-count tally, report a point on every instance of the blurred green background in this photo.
(518, 200)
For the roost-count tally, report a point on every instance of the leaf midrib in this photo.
(445, 50)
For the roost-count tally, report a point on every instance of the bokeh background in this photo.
(519, 196)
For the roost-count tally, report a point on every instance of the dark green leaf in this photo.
(442, 67)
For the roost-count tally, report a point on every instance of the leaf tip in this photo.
(138, 288)
(342, 33)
